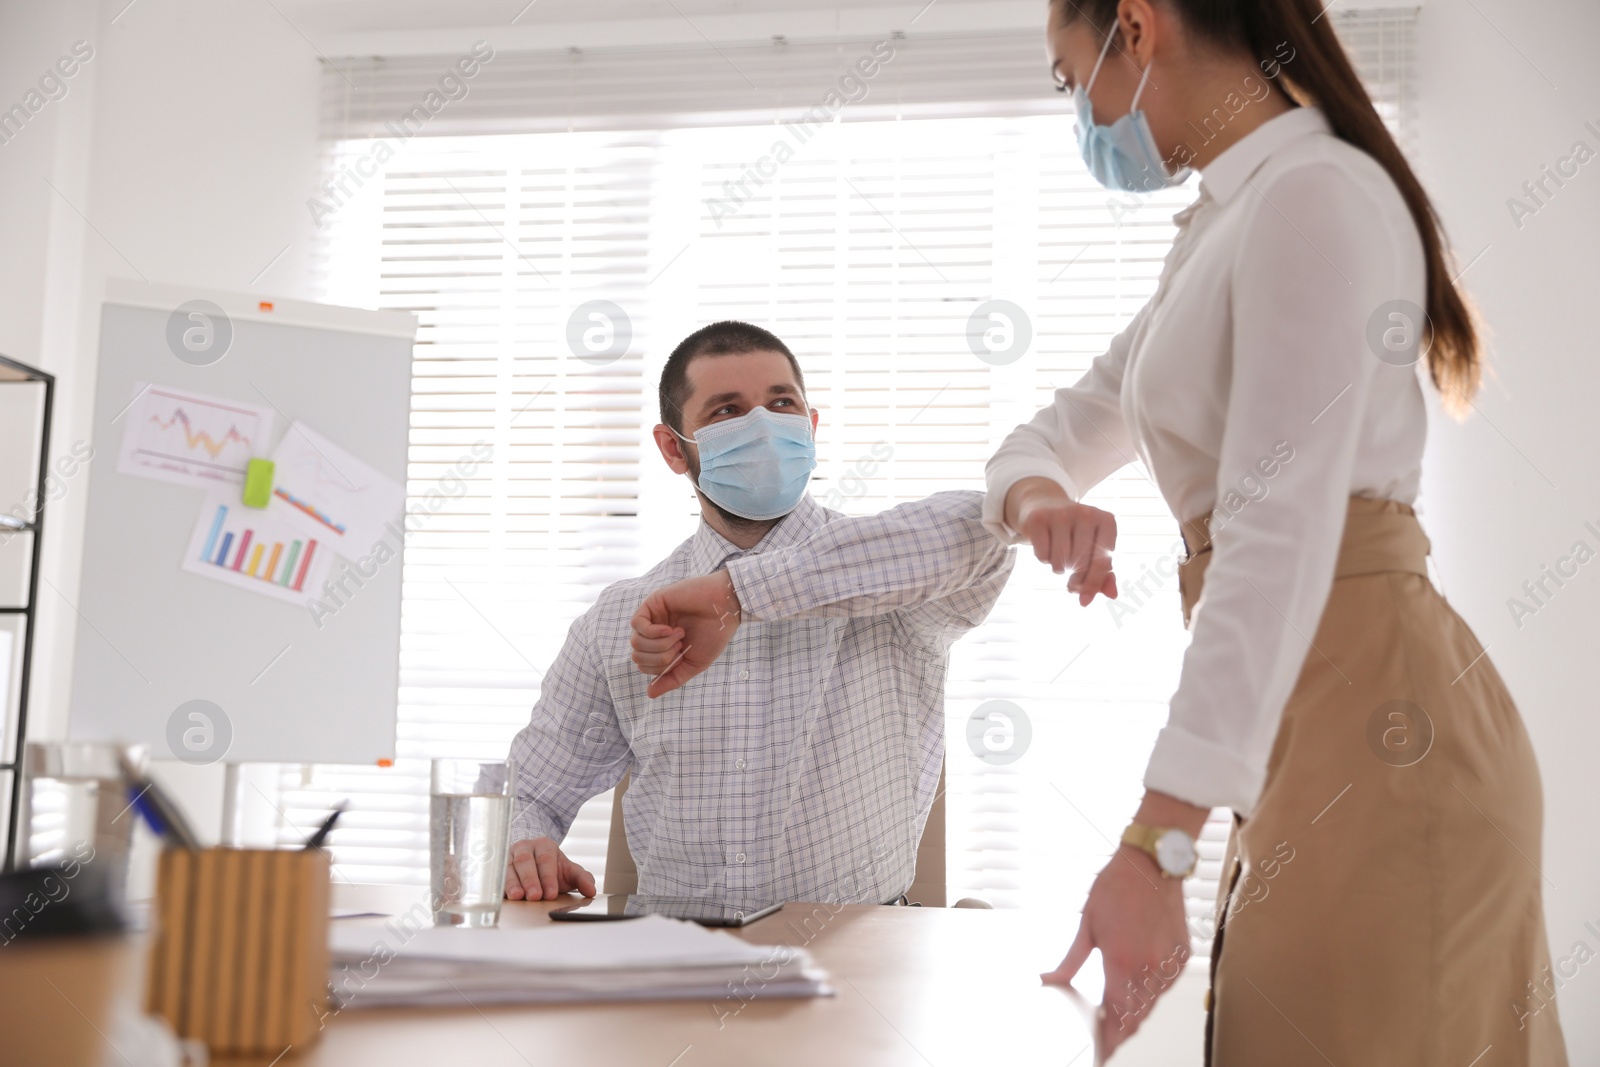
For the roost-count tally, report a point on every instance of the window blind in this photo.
(878, 248)
(680, 87)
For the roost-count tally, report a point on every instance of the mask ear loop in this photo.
(1104, 49)
(1137, 93)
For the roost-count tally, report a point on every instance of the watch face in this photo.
(1175, 852)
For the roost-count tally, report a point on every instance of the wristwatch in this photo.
(1174, 851)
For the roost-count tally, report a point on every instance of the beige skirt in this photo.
(1383, 904)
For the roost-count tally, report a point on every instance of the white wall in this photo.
(188, 144)
(44, 183)
(1509, 490)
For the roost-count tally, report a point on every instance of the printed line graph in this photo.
(182, 436)
(308, 509)
(331, 493)
(198, 438)
(311, 465)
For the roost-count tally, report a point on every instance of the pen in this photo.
(316, 839)
(157, 808)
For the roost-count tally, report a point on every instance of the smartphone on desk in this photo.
(631, 906)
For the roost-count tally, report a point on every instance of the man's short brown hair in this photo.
(726, 338)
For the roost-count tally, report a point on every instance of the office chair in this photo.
(927, 885)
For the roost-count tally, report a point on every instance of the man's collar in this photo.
(1224, 176)
(711, 549)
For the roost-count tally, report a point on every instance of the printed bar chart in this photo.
(234, 559)
(258, 550)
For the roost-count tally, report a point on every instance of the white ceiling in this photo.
(325, 17)
(430, 27)
(427, 27)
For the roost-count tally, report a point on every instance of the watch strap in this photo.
(1144, 837)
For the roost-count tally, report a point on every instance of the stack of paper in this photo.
(649, 958)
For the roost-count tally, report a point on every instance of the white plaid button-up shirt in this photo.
(803, 763)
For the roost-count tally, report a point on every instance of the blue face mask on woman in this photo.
(756, 466)
(1122, 155)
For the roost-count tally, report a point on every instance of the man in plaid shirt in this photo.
(801, 761)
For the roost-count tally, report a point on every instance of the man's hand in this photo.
(682, 629)
(1135, 918)
(1065, 534)
(539, 870)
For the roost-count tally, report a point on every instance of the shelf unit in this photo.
(13, 373)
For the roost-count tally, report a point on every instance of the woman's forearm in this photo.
(1162, 809)
(1028, 492)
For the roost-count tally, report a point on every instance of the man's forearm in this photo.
(529, 819)
(897, 559)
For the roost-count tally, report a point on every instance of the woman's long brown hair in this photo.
(1320, 73)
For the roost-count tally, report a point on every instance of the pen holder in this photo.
(240, 955)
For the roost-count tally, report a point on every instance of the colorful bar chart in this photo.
(260, 551)
(226, 555)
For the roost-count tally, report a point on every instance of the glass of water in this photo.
(76, 807)
(469, 833)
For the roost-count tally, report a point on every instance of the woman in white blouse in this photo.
(1381, 897)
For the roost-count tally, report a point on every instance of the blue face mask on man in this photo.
(756, 466)
(1122, 155)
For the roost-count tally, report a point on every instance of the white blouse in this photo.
(1251, 385)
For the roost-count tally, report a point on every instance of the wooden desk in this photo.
(915, 987)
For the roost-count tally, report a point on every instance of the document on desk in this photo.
(649, 958)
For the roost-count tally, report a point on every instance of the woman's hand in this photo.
(1065, 534)
(1135, 918)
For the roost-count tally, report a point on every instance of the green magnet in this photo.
(258, 483)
